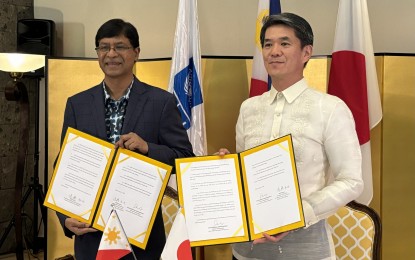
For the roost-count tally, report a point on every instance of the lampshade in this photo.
(21, 62)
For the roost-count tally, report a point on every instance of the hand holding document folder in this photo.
(238, 197)
(91, 178)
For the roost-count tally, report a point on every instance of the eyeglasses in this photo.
(118, 49)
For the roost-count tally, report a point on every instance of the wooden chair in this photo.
(357, 232)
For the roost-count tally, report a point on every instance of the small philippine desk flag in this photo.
(114, 242)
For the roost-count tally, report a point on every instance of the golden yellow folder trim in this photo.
(83, 214)
(139, 235)
(102, 219)
(284, 148)
(120, 161)
(258, 227)
(237, 231)
(285, 144)
(159, 173)
(104, 151)
(72, 139)
(186, 168)
(53, 199)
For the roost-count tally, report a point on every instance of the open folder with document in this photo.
(91, 178)
(238, 197)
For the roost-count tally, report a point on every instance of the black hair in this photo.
(117, 27)
(301, 27)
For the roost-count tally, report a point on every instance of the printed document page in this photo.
(133, 189)
(79, 175)
(272, 187)
(210, 188)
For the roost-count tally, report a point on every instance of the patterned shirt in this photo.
(114, 114)
(325, 145)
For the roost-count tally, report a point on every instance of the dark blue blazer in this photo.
(153, 115)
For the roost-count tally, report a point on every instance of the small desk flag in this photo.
(178, 245)
(114, 242)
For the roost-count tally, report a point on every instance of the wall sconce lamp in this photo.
(17, 64)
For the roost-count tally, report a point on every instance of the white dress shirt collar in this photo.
(290, 93)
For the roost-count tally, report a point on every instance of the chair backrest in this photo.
(169, 208)
(357, 232)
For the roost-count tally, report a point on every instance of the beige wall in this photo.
(227, 27)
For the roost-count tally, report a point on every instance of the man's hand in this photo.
(222, 152)
(268, 238)
(77, 227)
(133, 142)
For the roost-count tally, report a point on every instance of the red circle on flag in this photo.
(184, 252)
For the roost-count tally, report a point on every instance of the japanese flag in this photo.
(178, 245)
(353, 79)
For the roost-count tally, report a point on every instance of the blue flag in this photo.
(188, 92)
(185, 78)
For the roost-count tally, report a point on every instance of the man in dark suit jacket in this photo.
(130, 114)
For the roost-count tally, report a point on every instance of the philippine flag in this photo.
(114, 242)
(177, 245)
(353, 78)
(259, 79)
(185, 78)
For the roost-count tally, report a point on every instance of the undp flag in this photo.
(188, 92)
(185, 78)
